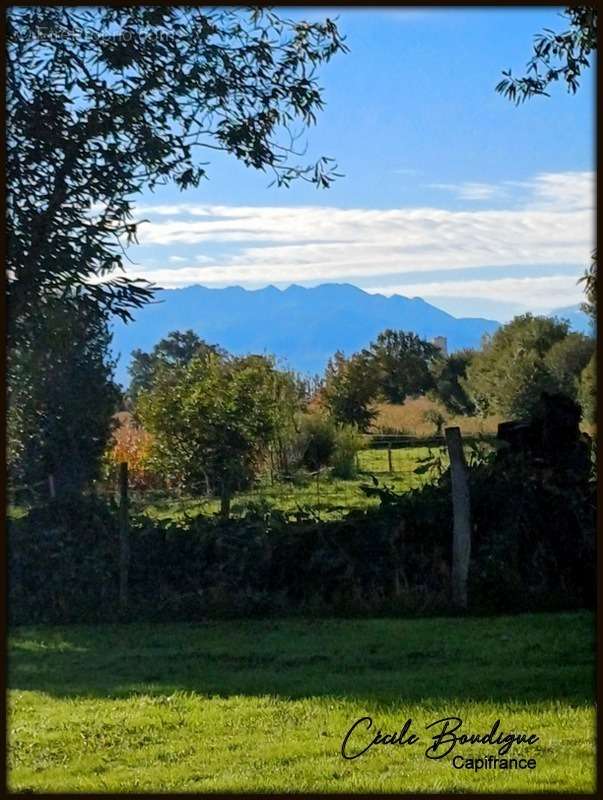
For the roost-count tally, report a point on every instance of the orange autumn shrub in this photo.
(132, 443)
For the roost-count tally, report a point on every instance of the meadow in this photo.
(263, 706)
(325, 496)
(321, 495)
(409, 418)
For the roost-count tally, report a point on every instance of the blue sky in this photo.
(450, 192)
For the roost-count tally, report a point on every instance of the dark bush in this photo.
(63, 562)
(533, 548)
(64, 566)
(534, 537)
(267, 564)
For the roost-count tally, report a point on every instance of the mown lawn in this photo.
(263, 706)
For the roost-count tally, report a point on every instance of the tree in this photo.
(563, 57)
(318, 435)
(448, 375)
(589, 279)
(566, 360)
(105, 101)
(556, 57)
(211, 421)
(349, 389)
(436, 418)
(177, 349)
(401, 363)
(291, 395)
(61, 399)
(587, 390)
(508, 375)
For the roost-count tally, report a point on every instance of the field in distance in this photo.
(409, 419)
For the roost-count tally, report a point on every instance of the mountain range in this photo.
(302, 326)
(578, 320)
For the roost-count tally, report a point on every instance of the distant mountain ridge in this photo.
(301, 326)
(579, 321)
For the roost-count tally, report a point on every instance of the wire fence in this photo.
(320, 494)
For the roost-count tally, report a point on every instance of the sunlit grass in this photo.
(322, 495)
(257, 706)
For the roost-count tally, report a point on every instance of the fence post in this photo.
(124, 541)
(51, 487)
(389, 456)
(461, 536)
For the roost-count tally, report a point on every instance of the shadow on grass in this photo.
(528, 658)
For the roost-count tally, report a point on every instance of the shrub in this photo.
(318, 437)
(533, 548)
(534, 537)
(63, 562)
(587, 391)
(64, 566)
(133, 444)
(348, 442)
(435, 417)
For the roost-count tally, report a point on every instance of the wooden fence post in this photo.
(124, 540)
(389, 456)
(271, 466)
(461, 536)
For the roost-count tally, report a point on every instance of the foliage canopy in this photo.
(105, 101)
(212, 421)
(177, 349)
(522, 359)
(556, 57)
(401, 363)
(61, 399)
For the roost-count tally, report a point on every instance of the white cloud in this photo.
(543, 292)
(550, 220)
(469, 190)
(564, 190)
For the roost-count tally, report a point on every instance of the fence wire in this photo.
(320, 494)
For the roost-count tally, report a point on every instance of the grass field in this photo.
(409, 418)
(263, 706)
(326, 496)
